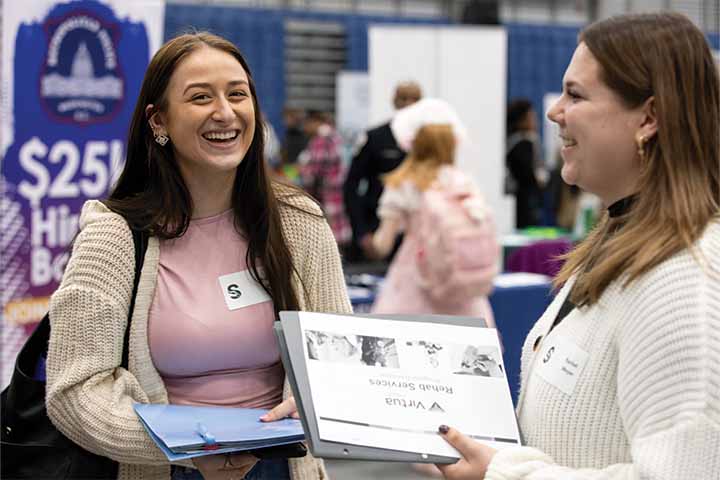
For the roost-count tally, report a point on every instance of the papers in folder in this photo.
(187, 431)
(378, 388)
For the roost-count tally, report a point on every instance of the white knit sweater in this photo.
(89, 397)
(647, 403)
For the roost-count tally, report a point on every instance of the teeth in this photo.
(568, 142)
(220, 135)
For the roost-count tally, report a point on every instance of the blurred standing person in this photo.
(378, 155)
(272, 146)
(564, 197)
(523, 162)
(322, 172)
(295, 139)
(293, 143)
(430, 130)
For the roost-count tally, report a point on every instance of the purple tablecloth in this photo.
(539, 257)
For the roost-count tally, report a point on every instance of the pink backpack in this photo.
(458, 252)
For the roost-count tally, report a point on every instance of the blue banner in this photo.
(75, 74)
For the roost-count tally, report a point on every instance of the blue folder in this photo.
(187, 431)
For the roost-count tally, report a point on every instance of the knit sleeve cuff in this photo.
(516, 463)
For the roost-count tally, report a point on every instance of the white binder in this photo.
(293, 355)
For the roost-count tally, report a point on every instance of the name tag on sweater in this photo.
(241, 290)
(560, 363)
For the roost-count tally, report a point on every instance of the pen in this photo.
(208, 438)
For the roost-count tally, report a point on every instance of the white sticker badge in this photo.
(560, 363)
(241, 290)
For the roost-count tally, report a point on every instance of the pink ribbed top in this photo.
(206, 353)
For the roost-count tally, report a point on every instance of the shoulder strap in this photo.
(140, 240)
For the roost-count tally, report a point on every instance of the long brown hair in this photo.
(660, 55)
(151, 193)
(432, 147)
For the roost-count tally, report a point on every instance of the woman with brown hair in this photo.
(621, 375)
(195, 180)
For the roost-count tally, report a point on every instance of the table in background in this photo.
(517, 301)
(535, 250)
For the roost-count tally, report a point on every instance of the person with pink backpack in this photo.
(449, 255)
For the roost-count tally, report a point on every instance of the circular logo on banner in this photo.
(82, 81)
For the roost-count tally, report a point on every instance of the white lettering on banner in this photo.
(85, 22)
(45, 268)
(108, 49)
(50, 228)
(27, 156)
(94, 166)
(561, 363)
(101, 163)
(63, 186)
(56, 223)
(88, 175)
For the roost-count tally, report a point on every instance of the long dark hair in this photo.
(151, 193)
(665, 56)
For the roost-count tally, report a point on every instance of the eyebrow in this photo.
(570, 84)
(232, 83)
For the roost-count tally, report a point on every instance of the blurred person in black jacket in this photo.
(295, 138)
(523, 162)
(379, 155)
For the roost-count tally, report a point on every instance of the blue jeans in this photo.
(263, 470)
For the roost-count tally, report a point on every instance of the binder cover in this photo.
(190, 431)
(293, 357)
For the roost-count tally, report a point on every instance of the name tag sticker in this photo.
(560, 363)
(241, 290)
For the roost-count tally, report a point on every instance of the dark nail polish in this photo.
(443, 429)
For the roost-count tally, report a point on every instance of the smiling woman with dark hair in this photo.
(621, 375)
(228, 249)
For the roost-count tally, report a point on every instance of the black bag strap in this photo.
(140, 240)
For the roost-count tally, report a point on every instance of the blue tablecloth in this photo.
(516, 309)
(517, 302)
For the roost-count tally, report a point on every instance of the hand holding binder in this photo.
(475, 456)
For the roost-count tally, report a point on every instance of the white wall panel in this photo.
(465, 66)
(398, 54)
(471, 76)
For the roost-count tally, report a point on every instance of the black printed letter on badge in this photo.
(562, 363)
(241, 290)
(234, 291)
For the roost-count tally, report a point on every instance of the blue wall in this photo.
(537, 58)
(260, 35)
(537, 54)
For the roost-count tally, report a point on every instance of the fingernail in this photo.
(264, 417)
(443, 429)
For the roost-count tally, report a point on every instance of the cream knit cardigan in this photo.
(89, 397)
(647, 404)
